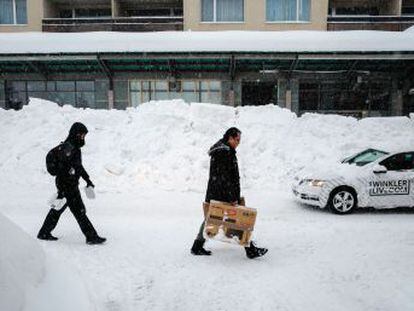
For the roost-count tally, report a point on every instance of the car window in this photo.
(399, 162)
(365, 157)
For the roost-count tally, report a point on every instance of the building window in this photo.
(222, 10)
(343, 98)
(407, 7)
(13, 12)
(188, 90)
(76, 93)
(288, 10)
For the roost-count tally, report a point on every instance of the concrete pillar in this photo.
(397, 106)
(231, 99)
(281, 92)
(231, 93)
(288, 94)
(237, 88)
(115, 6)
(2, 95)
(121, 94)
(111, 99)
(294, 89)
(227, 93)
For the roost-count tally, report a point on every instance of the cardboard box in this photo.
(207, 205)
(229, 223)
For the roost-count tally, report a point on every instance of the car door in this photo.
(393, 188)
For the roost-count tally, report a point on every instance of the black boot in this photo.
(198, 249)
(49, 224)
(46, 237)
(95, 240)
(253, 252)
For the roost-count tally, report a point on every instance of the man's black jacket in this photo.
(70, 164)
(224, 179)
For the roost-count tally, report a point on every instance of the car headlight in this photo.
(317, 183)
(314, 182)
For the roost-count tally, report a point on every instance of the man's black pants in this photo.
(76, 206)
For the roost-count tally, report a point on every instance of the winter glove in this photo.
(90, 193)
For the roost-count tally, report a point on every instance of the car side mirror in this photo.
(379, 169)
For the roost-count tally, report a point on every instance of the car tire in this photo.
(342, 201)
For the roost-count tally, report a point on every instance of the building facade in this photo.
(358, 84)
(90, 15)
(263, 15)
(208, 15)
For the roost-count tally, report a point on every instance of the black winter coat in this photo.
(224, 179)
(70, 167)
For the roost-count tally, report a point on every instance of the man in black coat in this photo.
(69, 170)
(224, 185)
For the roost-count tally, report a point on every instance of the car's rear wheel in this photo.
(342, 201)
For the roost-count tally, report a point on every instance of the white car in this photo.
(371, 178)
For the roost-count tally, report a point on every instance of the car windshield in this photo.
(365, 157)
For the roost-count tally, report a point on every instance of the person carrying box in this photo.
(224, 185)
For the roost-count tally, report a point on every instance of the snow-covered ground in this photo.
(150, 168)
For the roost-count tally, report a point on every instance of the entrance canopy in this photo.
(226, 51)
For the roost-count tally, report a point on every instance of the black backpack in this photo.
(54, 160)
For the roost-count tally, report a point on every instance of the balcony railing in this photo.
(139, 24)
(368, 22)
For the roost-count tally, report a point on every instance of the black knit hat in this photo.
(77, 128)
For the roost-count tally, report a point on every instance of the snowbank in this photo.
(32, 281)
(22, 265)
(315, 258)
(165, 144)
(410, 29)
(216, 41)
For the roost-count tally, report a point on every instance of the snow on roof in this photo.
(218, 41)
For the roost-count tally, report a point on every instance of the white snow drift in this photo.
(31, 281)
(22, 265)
(150, 168)
(165, 143)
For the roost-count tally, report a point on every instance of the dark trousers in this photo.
(76, 206)
(200, 236)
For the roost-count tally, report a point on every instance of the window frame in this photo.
(295, 21)
(393, 156)
(352, 159)
(15, 23)
(50, 91)
(215, 21)
(200, 89)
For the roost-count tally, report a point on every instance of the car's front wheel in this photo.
(342, 201)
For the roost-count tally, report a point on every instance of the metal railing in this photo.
(370, 22)
(139, 23)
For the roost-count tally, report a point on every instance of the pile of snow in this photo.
(146, 263)
(22, 265)
(165, 144)
(410, 29)
(32, 281)
(205, 41)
